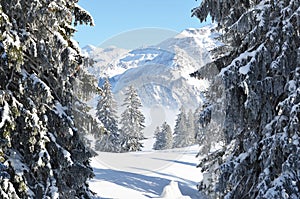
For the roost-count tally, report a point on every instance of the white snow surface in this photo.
(172, 191)
(165, 174)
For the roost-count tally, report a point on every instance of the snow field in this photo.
(147, 174)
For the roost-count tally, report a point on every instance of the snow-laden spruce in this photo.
(183, 134)
(191, 127)
(107, 114)
(41, 153)
(163, 137)
(132, 122)
(259, 65)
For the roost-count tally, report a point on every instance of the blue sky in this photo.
(119, 16)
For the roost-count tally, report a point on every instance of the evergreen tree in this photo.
(191, 127)
(164, 137)
(132, 121)
(85, 87)
(209, 127)
(106, 113)
(198, 133)
(259, 66)
(158, 144)
(41, 153)
(106, 109)
(181, 134)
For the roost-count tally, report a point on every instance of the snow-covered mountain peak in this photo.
(195, 42)
(88, 48)
(194, 32)
(146, 56)
(104, 60)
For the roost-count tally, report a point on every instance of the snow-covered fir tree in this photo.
(163, 137)
(197, 125)
(259, 65)
(41, 153)
(132, 122)
(158, 139)
(209, 126)
(107, 115)
(85, 87)
(191, 127)
(181, 135)
(107, 108)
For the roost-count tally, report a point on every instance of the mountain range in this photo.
(160, 73)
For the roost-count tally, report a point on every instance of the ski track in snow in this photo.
(145, 174)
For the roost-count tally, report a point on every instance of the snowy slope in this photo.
(145, 174)
(104, 60)
(163, 79)
(196, 42)
(161, 73)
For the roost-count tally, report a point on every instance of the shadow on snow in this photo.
(177, 161)
(133, 181)
(187, 187)
(142, 183)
